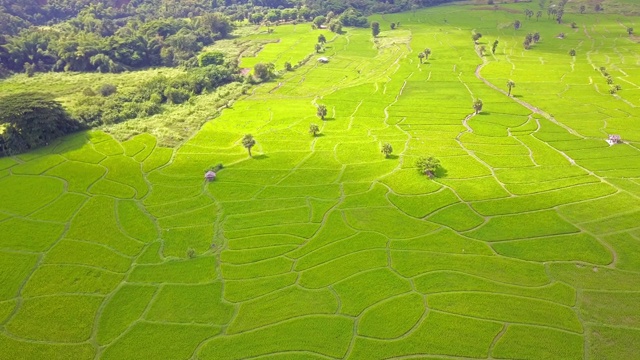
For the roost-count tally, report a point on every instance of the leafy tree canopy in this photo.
(29, 120)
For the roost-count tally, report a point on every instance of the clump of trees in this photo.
(263, 72)
(148, 97)
(428, 166)
(29, 120)
(93, 42)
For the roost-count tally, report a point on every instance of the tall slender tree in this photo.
(248, 142)
(375, 28)
(510, 85)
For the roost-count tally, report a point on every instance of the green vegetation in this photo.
(328, 240)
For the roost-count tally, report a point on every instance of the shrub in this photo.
(88, 92)
(107, 90)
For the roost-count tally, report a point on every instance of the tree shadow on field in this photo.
(392, 157)
(261, 157)
(329, 119)
(441, 172)
(319, 135)
(516, 96)
(483, 113)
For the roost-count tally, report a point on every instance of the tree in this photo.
(482, 50)
(318, 48)
(386, 149)
(335, 26)
(375, 28)
(393, 26)
(248, 142)
(428, 166)
(477, 106)
(287, 66)
(476, 36)
(536, 37)
(318, 21)
(31, 119)
(572, 52)
(538, 15)
(517, 24)
(510, 85)
(421, 57)
(574, 25)
(321, 111)
(322, 39)
(263, 72)
(314, 129)
(494, 46)
(630, 31)
(582, 9)
(427, 52)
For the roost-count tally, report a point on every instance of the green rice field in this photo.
(526, 245)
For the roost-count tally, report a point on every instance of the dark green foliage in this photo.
(263, 72)
(321, 111)
(29, 120)
(428, 166)
(108, 89)
(375, 28)
(248, 142)
(94, 42)
(211, 58)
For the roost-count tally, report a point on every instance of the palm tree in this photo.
(318, 47)
(314, 129)
(510, 85)
(386, 149)
(477, 106)
(248, 142)
(572, 52)
(322, 111)
(421, 57)
(630, 31)
(427, 52)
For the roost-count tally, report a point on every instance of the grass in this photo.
(114, 247)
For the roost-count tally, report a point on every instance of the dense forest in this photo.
(118, 35)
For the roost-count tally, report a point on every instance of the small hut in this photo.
(210, 176)
(614, 139)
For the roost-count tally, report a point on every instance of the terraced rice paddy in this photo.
(525, 247)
